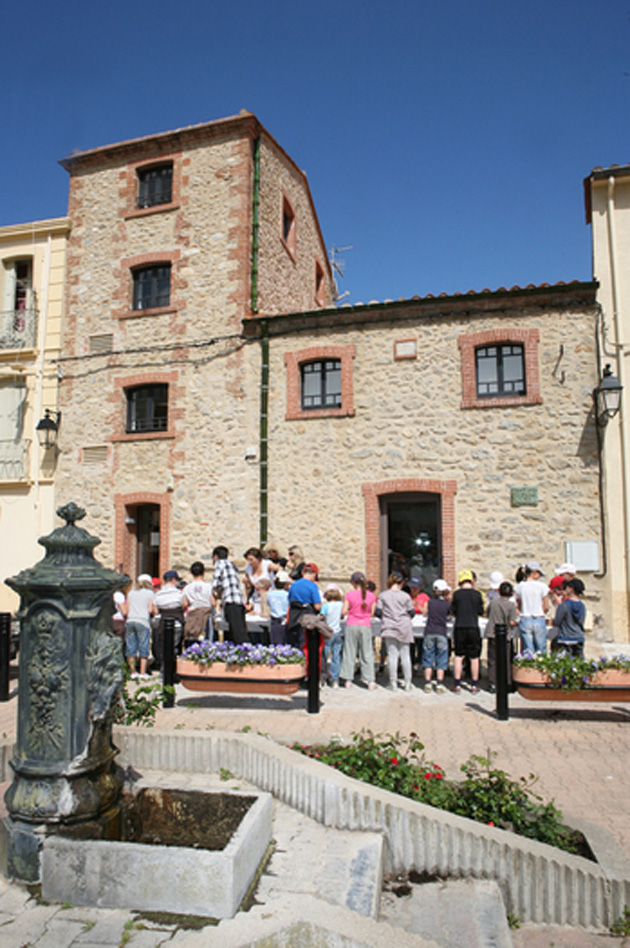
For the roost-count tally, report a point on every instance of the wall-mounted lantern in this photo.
(607, 397)
(48, 428)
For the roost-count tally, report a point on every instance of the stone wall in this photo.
(286, 282)
(410, 432)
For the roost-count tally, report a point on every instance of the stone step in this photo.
(453, 913)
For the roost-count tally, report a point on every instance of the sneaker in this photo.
(428, 688)
(372, 686)
(134, 675)
(492, 689)
(334, 684)
(393, 686)
(408, 686)
(440, 689)
(474, 689)
(457, 690)
(348, 684)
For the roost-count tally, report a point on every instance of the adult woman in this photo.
(358, 608)
(258, 568)
(295, 562)
(137, 610)
(397, 610)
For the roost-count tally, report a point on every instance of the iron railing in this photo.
(18, 328)
(14, 460)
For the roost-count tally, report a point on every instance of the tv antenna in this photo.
(338, 265)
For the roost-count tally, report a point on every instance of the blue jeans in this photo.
(137, 639)
(533, 630)
(435, 652)
(332, 651)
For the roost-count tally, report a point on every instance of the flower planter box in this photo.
(251, 679)
(607, 685)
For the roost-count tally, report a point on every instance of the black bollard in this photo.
(168, 662)
(5, 654)
(312, 648)
(501, 653)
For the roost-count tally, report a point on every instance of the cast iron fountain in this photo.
(70, 824)
(65, 776)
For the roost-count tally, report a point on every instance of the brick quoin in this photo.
(469, 342)
(372, 493)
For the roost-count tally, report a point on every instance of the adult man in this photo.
(226, 584)
(532, 598)
(168, 602)
(304, 598)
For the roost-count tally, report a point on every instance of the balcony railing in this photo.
(18, 328)
(14, 460)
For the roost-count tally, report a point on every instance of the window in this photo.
(321, 384)
(288, 226)
(147, 408)
(152, 287)
(500, 367)
(500, 371)
(155, 185)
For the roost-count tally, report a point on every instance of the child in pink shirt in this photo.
(358, 609)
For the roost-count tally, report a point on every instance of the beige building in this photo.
(31, 288)
(177, 238)
(607, 194)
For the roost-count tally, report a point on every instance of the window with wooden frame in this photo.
(147, 408)
(151, 287)
(155, 185)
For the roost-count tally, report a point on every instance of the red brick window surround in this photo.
(125, 540)
(143, 262)
(127, 384)
(288, 231)
(133, 186)
(294, 362)
(468, 345)
(372, 493)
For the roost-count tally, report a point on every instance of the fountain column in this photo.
(70, 673)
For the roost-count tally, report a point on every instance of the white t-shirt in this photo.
(530, 594)
(139, 600)
(168, 597)
(198, 594)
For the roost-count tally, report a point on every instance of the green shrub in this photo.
(486, 794)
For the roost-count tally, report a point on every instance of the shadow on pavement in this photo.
(611, 715)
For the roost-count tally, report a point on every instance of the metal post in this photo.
(5, 654)
(501, 654)
(168, 661)
(312, 648)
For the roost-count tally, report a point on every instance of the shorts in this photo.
(435, 652)
(137, 639)
(467, 643)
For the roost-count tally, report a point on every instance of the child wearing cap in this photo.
(466, 607)
(435, 645)
(138, 610)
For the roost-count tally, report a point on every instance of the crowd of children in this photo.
(283, 592)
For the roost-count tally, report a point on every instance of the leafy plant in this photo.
(487, 794)
(226, 774)
(622, 925)
(140, 705)
(514, 921)
(567, 671)
(227, 653)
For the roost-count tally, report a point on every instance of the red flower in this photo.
(415, 788)
(394, 761)
(490, 823)
(427, 776)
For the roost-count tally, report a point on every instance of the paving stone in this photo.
(59, 933)
(108, 929)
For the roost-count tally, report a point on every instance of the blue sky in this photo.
(446, 143)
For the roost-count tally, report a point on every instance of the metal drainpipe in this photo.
(264, 407)
(255, 225)
(264, 351)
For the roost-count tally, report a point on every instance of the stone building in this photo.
(177, 238)
(461, 434)
(607, 195)
(31, 288)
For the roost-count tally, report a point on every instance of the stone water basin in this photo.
(190, 852)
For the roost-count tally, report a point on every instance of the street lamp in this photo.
(48, 428)
(607, 397)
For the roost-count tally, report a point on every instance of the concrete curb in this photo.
(539, 883)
